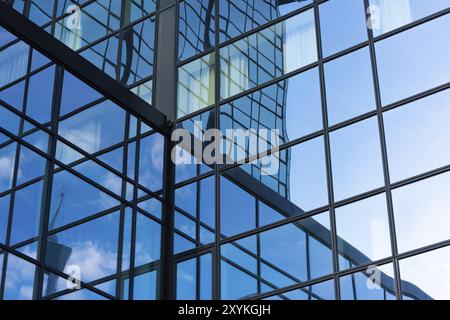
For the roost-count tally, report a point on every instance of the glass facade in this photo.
(350, 202)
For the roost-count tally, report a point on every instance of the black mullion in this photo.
(327, 145)
(119, 278)
(48, 184)
(385, 162)
(134, 215)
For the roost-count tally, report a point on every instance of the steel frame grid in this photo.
(377, 112)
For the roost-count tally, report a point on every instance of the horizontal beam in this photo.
(42, 41)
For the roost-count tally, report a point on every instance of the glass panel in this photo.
(292, 106)
(187, 280)
(151, 162)
(320, 291)
(417, 136)
(148, 240)
(235, 205)
(426, 276)
(31, 165)
(5, 37)
(27, 212)
(363, 231)
(96, 128)
(14, 62)
(135, 9)
(356, 159)
(375, 283)
(104, 55)
(196, 27)
(13, 95)
(270, 53)
(19, 279)
(7, 160)
(422, 209)
(89, 249)
(238, 17)
(74, 199)
(88, 24)
(75, 94)
(402, 74)
(342, 26)
(145, 286)
(196, 85)
(395, 14)
(4, 214)
(137, 52)
(235, 283)
(40, 95)
(349, 86)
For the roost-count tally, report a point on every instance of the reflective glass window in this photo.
(151, 162)
(270, 53)
(425, 276)
(342, 26)
(403, 74)
(356, 159)
(96, 128)
(14, 62)
(196, 85)
(417, 137)
(7, 160)
(19, 279)
(196, 27)
(391, 15)
(363, 231)
(349, 86)
(27, 212)
(375, 283)
(422, 208)
(238, 17)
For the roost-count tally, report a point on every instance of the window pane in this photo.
(292, 106)
(27, 212)
(372, 284)
(426, 277)
(238, 17)
(196, 27)
(19, 279)
(7, 160)
(235, 283)
(235, 205)
(196, 85)
(90, 247)
(137, 51)
(402, 74)
(356, 159)
(363, 231)
(151, 162)
(270, 53)
(422, 209)
(31, 165)
(148, 240)
(342, 26)
(187, 280)
(4, 217)
(14, 62)
(417, 136)
(395, 14)
(145, 286)
(96, 128)
(349, 86)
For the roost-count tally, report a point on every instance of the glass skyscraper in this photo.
(92, 205)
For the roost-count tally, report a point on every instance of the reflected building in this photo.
(87, 181)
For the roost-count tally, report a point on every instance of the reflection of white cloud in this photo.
(6, 167)
(157, 153)
(19, 279)
(87, 137)
(94, 261)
